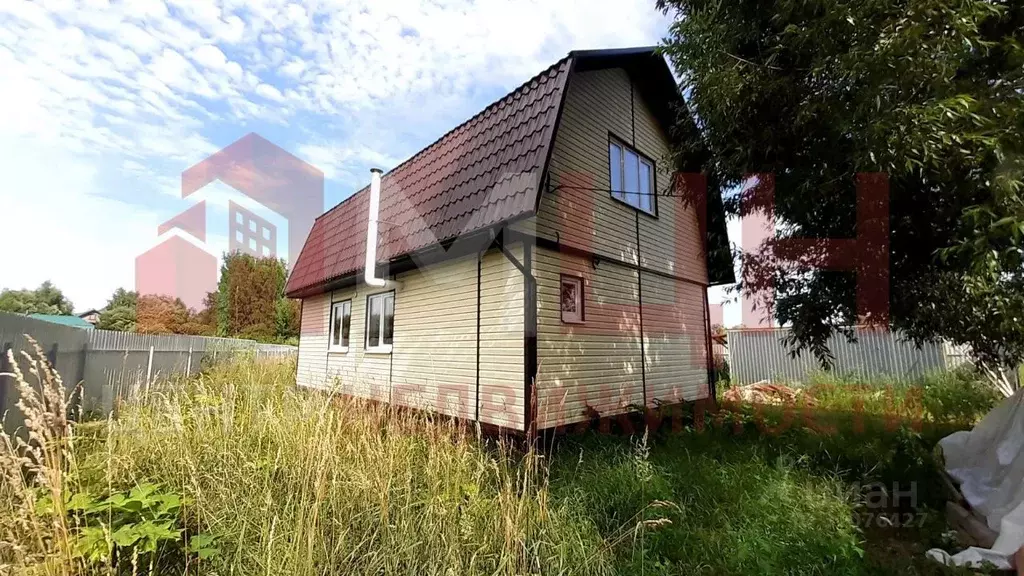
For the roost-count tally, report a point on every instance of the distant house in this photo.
(531, 268)
(91, 316)
(73, 321)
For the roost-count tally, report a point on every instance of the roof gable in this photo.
(485, 172)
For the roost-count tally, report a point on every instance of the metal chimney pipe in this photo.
(370, 273)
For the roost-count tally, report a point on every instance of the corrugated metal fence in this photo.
(759, 354)
(109, 364)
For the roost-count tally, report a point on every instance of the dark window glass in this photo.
(389, 319)
(373, 325)
(346, 323)
(336, 325)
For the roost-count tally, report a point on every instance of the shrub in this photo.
(960, 395)
(722, 372)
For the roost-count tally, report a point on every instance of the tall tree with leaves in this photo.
(250, 299)
(120, 313)
(930, 92)
(46, 299)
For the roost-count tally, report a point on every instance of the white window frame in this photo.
(380, 348)
(579, 316)
(644, 202)
(340, 347)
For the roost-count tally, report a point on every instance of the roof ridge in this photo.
(468, 121)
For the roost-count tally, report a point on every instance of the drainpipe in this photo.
(370, 274)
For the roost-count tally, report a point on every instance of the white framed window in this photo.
(572, 300)
(341, 325)
(632, 177)
(380, 322)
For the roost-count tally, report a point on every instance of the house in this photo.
(91, 316)
(533, 266)
(72, 321)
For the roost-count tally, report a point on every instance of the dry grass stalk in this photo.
(36, 469)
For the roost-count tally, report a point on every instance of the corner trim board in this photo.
(640, 306)
(479, 273)
(529, 338)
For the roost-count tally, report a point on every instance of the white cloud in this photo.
(136, 90)
(270, 93)
(210, 56)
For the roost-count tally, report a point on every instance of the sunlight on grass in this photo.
(293, 482)
(236, 471)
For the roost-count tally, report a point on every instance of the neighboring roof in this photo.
(88, 312)
(484, 173)
(73, 321)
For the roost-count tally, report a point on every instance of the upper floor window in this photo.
(380, 322)
(632, 177)
(341, 322)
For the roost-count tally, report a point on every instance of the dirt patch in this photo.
(765, 392)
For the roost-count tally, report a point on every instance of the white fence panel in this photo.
(760, 354)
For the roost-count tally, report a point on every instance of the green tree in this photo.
(46, 299)
(123, 298)
(120, 319)
(120, 313)
(248, 300)
(930, 92)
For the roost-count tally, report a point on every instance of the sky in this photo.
(106, 103)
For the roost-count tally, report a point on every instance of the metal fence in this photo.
(110, 364)
(760, 354)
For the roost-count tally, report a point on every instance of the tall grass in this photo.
(292, 482)
(238, 472)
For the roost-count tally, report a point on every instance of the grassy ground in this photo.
(238, 472)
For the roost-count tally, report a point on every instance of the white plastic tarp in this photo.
(988, 462)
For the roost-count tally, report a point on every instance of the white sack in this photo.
(988, 462)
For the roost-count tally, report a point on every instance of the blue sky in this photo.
(106, 103)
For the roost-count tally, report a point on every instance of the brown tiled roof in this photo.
(484, 172)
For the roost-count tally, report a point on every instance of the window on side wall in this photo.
(632, 177)
(380, 322)
(341, 324)
(572, 300)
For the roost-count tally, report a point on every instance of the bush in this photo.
(722, 373)
(960, 395)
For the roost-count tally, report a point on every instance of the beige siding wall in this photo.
(597, 364)
(433, 361)
(675, 340)
(597, 105)
(312, 362)
(435, 339)
(501, 341)
(593, 365)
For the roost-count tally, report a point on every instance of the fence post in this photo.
(188, 365)
(149, 369)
